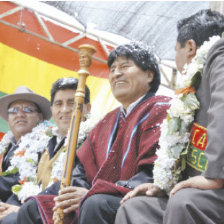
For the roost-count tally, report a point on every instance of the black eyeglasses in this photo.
(26, 110)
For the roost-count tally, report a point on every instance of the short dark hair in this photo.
(142, 56)
(200, 27)
(67, 83)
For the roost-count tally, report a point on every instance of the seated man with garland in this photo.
(51, 161)
(24, 111)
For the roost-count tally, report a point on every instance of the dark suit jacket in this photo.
(211, 113)
(6, 182)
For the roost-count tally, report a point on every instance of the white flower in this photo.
(188, 118)
(192, 69)
(57, 169)
(28, 189)
(202, 52)
(177, 108)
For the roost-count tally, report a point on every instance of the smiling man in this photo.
(127, 89)
(23, 110)
(62, 106)
(119, 152)
(130, 132)
(20, 124)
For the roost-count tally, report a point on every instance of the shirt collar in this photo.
(131, 107)
(13, 141)
(59, 138)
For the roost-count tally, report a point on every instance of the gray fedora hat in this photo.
(24, 93)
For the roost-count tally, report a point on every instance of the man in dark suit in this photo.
(23, 110)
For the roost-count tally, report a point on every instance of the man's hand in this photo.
(147, 189)
(5, 209)
(69, 198)
(199, 182)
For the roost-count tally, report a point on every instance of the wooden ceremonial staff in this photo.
(85, 59)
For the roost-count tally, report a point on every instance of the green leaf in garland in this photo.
(183, 127)
(49, 132)
(168, 118)
(32, 179)
(190, 100)
(176, 150)
(13, 171)
(183, 156)
(16, 189)
(174, 125)
(32, 161)
(196, 80)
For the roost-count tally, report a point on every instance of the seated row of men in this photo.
(106, 167)
(115, 162)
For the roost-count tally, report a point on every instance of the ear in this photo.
(86, 110)
(150, 76)
(191, 48)
(41, 118)
(88, 107)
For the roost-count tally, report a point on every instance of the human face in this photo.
(128, 81)
(62, 109)
(22, 122)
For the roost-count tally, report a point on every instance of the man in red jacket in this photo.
(119, 152)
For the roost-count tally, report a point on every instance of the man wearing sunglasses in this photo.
(23, 110)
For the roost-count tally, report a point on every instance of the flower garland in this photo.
(28, 173)
(23, 155)
(175, 129)
(84, 130)
(25, 159)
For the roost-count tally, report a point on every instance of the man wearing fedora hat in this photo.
(23, 110)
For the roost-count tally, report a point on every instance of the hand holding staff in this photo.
(85, 59)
